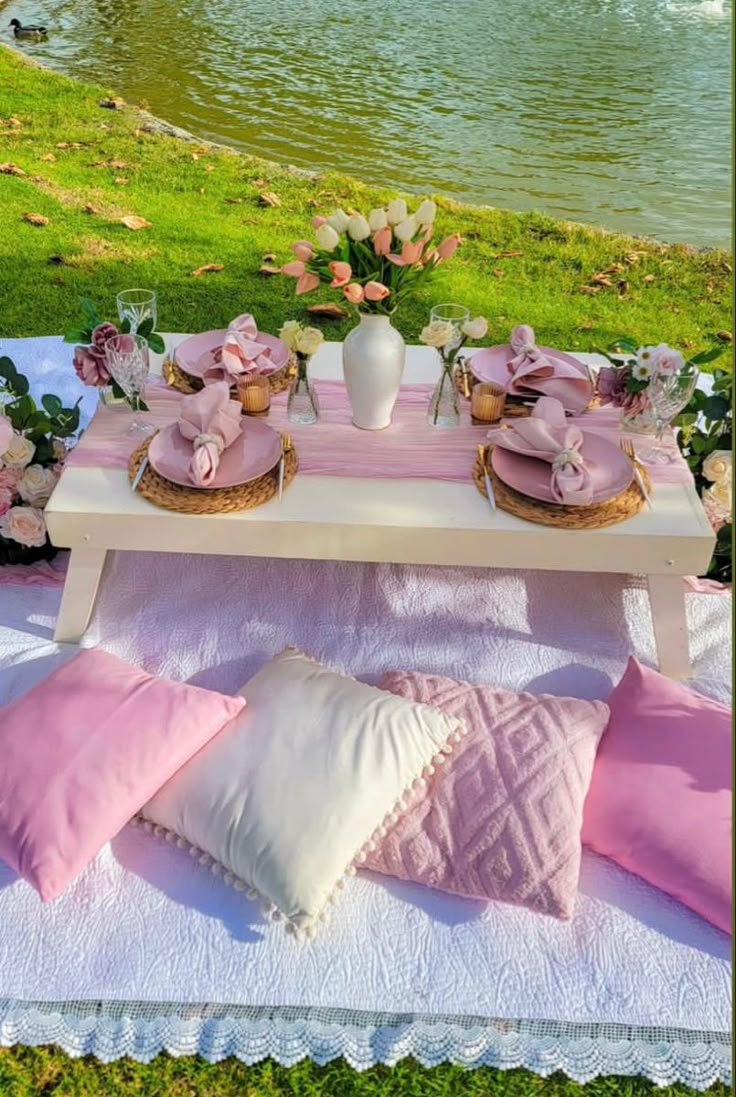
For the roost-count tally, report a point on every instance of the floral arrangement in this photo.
(303, 341)
(443, 336)
(376, 260)
(32, 451)
(89, 357)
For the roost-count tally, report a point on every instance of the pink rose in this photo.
(90, 366)
(342, 273)
(6, 500)
(9, 478)
(101, 334)
(24, 525)
(376, 291)
(354, 293)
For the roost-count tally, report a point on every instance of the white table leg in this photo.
(667, 599)
(80, 590)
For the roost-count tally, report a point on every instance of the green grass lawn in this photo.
(85, 168)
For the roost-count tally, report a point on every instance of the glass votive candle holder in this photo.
(487, 402)
(255, 394)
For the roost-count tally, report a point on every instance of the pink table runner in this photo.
(334, 447)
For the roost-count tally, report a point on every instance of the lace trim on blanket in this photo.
(141, 1030)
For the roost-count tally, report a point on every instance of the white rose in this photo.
(358, 227)
(427, 212)
(377, 219)
(717, 466)
(290, 332)
(338, 221)
(475, 329)
(36, 484)
(406, 229)
(19, 453)
(24, 525)
(309, 340)
(397, 211)
(327, 237)
(438, 334)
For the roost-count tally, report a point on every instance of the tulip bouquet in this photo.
(90, 363)
(32, 450)
(376, 260)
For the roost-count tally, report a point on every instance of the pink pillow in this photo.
(501, 819)
(83, 751)
(660, 799)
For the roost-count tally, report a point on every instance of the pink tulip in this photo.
(382, 241)
(449, 246)
(430, 256)
(317, 221)
(411, 252)
(295, 269)
(397, 260)
(343, 272)
(307, 282)
(376, 291)
(303, 250)
(354, 293)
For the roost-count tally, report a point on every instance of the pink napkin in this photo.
(548, 436)
(534, 371)
(211, 421)
(240, 353)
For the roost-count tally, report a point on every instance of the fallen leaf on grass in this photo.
(312, 202)
(648, 278)
(622, 286)
(614, 268)
(69, 145)
(56, 260)
(133, 222)
(508, 254)
(268, 257)
(725, 336)
(11, 169)
(207, 268)
(268, 198)
(590, 290)
(269, 268)
(49, 156)
(258, 182)
(498, 273)
(586, 325)
(727, 267)
(709, 287)
(121, 181)
(233, 201)
(331, 311)
(116, 165)
(209, 167)
(112, 102)
(35, 219)
(601, 279)
(633, 257)
(89, 208)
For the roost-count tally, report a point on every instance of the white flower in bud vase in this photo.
(475, 329)
(289, 332)
(24, 525)
(309, 341)
(19, 453)
(438, 334)
(36, 484)
(327, 237)
(377, 219)
(406, 229)
(358, 227)
(717, 467)
(339, 220)
(427, 212)
(397, 211)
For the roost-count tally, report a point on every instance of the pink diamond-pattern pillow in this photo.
(83, 751)
(501, 818)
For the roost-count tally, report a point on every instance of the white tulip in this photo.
(427, 212)
(309, 340)
(377, 219)
(406, 229)
(358, 227)
(397, 211)
(339, 220)
(327, 237)
(475, 329)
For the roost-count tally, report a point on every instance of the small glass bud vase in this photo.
(302, 405)
(444, 409)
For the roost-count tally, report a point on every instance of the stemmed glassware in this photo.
(127, 360)
(457, 315)
(136, 306)
(444, 410)
(669, 391)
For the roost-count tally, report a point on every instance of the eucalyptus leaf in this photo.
(7, 369)
(156, 343)
(707, 355)
(52, 404)
(145, 328)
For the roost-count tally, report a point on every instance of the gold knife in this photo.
(139, 475)
(486, 477)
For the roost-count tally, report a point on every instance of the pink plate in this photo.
(257, 450)
(190, 354)
(610, 469)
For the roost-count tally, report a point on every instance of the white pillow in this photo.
(299, 786)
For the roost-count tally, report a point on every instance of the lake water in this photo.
(615, 112)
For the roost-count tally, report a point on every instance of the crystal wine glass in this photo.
(457, 315)
(669, 391)
(127, 360)
(136, 306)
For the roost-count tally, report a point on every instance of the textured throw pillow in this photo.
(660, 799)
(301, 784)
(502, 819)
(83, 751)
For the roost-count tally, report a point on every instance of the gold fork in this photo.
(285, 447)
(627, 447)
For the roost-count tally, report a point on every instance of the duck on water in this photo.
(31, 31)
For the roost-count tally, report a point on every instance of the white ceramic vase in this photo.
(373, 361)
